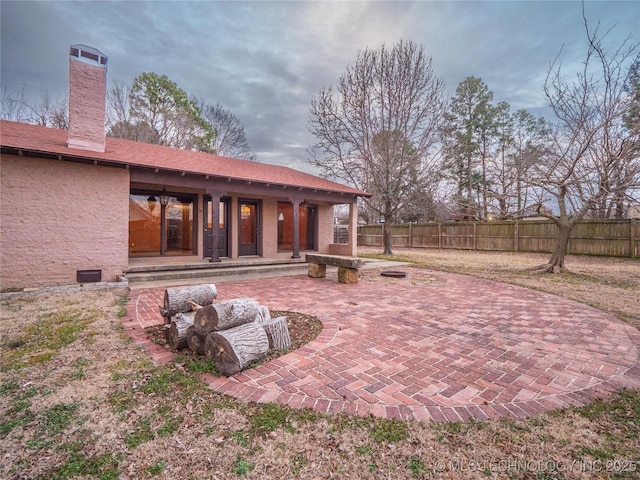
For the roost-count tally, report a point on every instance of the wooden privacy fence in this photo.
(615, 238)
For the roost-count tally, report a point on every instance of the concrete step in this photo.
(177, 276)
(204, 265)
(152, 276)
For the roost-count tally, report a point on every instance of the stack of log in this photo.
(231, 333)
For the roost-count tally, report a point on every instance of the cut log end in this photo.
(234, 349)
(177, 335)
(195, 341)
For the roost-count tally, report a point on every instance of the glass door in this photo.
(161, 223)
(307, 221)
(223, 221)
(249, 227)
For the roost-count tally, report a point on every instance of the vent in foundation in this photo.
(88, 276)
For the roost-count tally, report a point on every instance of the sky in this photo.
(264, 61)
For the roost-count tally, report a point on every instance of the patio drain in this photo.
(393, 274)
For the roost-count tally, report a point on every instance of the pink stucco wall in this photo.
(325, 228)
(58, 217)
(270, 228)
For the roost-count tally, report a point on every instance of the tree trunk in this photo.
(180, 322)
(233, 349)
(556, 262)
(225, 315)
(386, 230)
(277, 332)
(469, 186)
(178, 299)
(195, 341)
(485, 211)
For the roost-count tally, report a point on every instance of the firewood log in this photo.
(277, 332)
(195, 341)
(180, 299)
(263, 315)
(226, 314)
(180, 322)
(233, 349)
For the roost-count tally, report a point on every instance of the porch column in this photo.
(215, 224)
(296, 227)
(353, 229)
(163, 229)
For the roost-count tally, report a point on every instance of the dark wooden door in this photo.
(249, 225)
(223, 229)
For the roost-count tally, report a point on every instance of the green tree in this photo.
(465, 132)
(379, 126)
(159, 102)
(155, 110)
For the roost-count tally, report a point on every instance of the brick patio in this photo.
(432, 346)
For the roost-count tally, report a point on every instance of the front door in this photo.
(249, 227)
(223, 231)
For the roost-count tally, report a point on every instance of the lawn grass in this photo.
(79, 400)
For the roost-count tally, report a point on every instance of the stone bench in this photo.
(347, 266)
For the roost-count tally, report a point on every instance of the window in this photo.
(156, 229)
(307, 226)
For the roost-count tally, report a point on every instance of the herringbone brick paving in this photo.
(434, 345)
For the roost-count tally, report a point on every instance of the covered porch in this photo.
(185, 219)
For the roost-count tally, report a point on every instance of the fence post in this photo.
(475, 237)
(439, 235)
(410, 235)
(516, 240)
(632, 236)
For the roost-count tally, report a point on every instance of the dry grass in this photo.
(94, 406)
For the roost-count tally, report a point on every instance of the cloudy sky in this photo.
(265, 60)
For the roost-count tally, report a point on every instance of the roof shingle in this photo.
(35, 138)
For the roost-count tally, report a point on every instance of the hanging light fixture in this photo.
(164, 198)
(151, 203)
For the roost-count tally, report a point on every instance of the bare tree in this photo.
(498, 172)
(529, 136)
(43, 110)
(229, 139)
(513, 144)
(616, 168)
(590, 153)
(378, 129)
(12, 107)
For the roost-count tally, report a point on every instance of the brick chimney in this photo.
(87, 97)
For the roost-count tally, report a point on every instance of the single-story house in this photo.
(77, 201)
